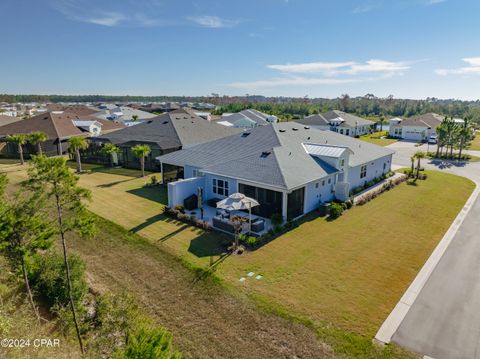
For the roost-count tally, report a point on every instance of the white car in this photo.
(432, 139)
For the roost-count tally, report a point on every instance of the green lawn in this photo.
(349, 272)
(476, 143)
(376, 138)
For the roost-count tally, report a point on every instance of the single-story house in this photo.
(165, 133)
(59, 126)
(416, 128)
(247, 119)
(340, 122)
(124, 114)
(7, 119)
(287, 167)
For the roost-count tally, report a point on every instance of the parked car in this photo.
(433, 139)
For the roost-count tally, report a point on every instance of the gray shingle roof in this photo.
(426, 120)
(256, 116)
(273, 155)
(175, 129)
(324, 119)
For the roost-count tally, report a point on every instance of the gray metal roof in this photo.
(273, 155)
(324, 150)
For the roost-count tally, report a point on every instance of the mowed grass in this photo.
(476, 143)
(349, 273)
(376, 139)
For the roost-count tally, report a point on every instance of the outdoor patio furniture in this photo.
(223, 224)
(191, 202)
(258, 225)
(212, 202)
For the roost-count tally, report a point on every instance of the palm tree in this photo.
(19, 140)
(412, 167)
(36, 139)
(419, 155)
(134, 118)
(110, 150)
(381, 121)
(466, 134)
(141, 151)
(76, 144)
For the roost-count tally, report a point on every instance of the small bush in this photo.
(153, 180)
(252, 241)
(349, 204)
(276, 219)
(336, 210)
(180, 208)
(47, 277)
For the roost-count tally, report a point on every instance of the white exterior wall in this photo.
(179, 190)
(315, 194)
(417, 133)
(232, 186)
(374, 169)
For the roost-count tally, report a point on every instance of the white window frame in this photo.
(363, 171)
(220, 187)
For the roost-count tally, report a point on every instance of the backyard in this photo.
(378, 138)
(348, 273)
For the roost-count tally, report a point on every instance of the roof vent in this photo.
(282, 130)
(308, 138)
(164, 122)
(295, 129)
(307, 127)
(149, 121)
(245, 134)
(265, 154)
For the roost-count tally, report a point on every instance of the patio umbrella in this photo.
(238, 201)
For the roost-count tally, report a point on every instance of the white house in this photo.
(290, 169)
(417, 128)
(340, 122)
(247, 119)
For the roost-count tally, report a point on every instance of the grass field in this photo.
(376, 138)
(476, 143)
(350, 272)
(344, 275)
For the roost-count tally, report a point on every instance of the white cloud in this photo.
(434, 2)
(290, 81)
(472, 68)
(106, 19)
(361, 9)
(345, 68)
(214, 22)
(327, 73)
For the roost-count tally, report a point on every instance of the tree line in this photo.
(51, 205)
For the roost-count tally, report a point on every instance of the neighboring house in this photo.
(77, 109)
(59, 126)
(247, 119)
(288, 168)
(7, 119)
(123, 114)
(340, 122)
(166, 133)
(416, 128)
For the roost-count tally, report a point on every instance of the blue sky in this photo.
(319, 48)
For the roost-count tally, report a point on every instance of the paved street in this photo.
(444, 320)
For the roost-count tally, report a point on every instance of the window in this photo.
(363, 171)
(384, 166)
(341, 131)
(329, 180)
(347, 132)
(220, 187)
(323, 183)
(197, 173)
(316, 185)
(342, 163)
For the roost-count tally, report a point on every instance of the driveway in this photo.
(444, 320)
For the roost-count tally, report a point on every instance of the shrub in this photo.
(349, 204)
(242, 238)
(276, 219)
(149, 343)
(47, 277)
(252, 241)
(336, 210)
(154, 180)
(180, 208)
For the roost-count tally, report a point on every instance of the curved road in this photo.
(444, 320)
